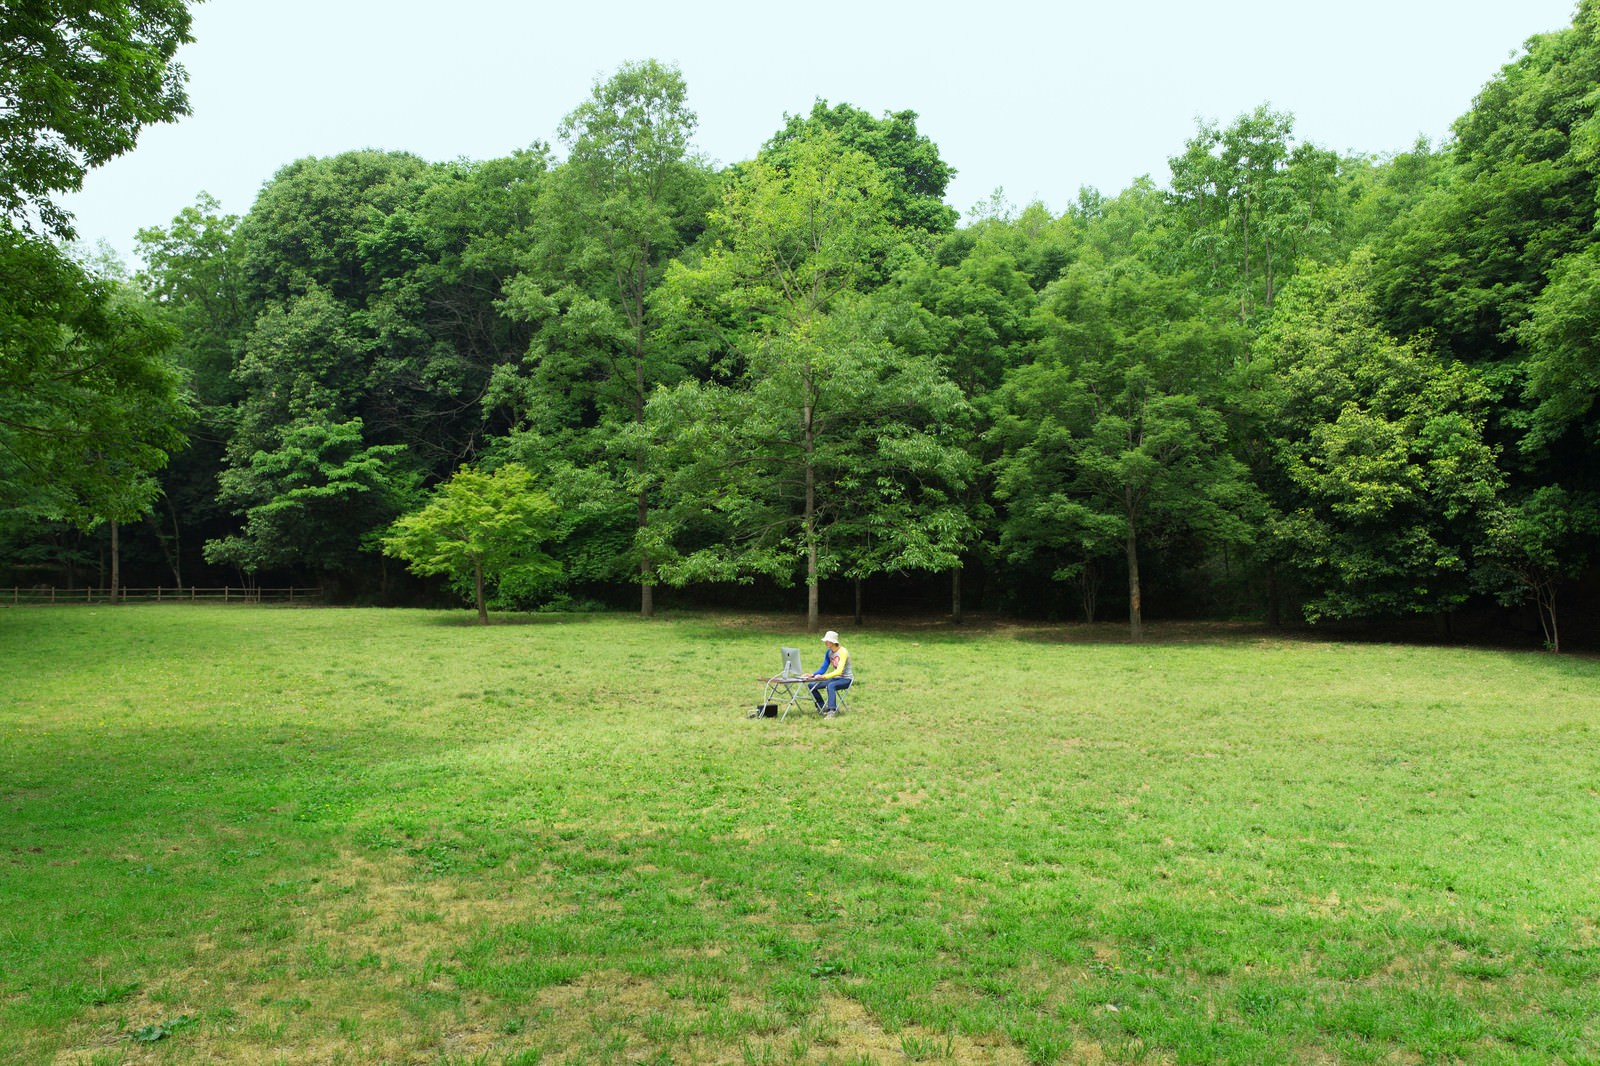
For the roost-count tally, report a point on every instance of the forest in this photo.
(1279, 384)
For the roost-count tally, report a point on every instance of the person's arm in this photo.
(835, 665)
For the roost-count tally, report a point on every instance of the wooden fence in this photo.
(43, 594)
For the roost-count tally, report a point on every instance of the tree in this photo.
(1534, 546)
(89, 405)
(369, 281)
(627, 197)
(768, 470)
(310, 501)
(1562, 336)
(1107, 441)
(972, 317)
(916, 175)
(1381, 444)
(1471, 257)
(191, 282)
(1248, 203)
(78, 81)
(839, 462)
(484, 531)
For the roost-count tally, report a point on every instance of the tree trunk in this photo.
(858, 602)
(1245, 306)
(813, 611)
(1266, 249)
(483, 608)
(1274, 614)
(1135, 608)
(116, 564)
(1089, 586)
(172, 552)
(1544, 596)
(647, 570)
(955, 595)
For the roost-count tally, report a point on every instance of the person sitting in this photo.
(832, 678)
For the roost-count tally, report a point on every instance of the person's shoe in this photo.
(830, 713)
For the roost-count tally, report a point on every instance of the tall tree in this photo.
(192, 282)
(628, 196)
(90, 406)
(1249, 201)
(973, 318)
(1109, 439)
(370, 282)
(1469, 259)
(794, 241)
(843, 459)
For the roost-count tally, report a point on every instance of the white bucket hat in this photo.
(830, 637)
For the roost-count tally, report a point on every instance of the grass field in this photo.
(262, 835)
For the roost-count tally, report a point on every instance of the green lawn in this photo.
(261, 835)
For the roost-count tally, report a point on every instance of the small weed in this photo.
(150, 1034)
(927, 1048)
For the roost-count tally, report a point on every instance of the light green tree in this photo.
(485, 532)
(1249, 204)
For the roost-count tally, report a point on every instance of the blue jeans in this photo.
(832, 687)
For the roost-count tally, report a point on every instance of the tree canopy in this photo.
(78, 81)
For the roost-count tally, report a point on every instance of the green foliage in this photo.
(1562, 335)
(825, 453)
(1473, 256)
(309, 500)
(917, 176)
(192, 278)
(1250, 204)
(1533, 546)
(1383, 445)
(1108, 438)
(79, 81)
(89, 405)
(485, 532)
(798, 368)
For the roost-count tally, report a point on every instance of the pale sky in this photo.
(1039, 98)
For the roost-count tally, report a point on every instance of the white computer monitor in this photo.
(791, 663)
